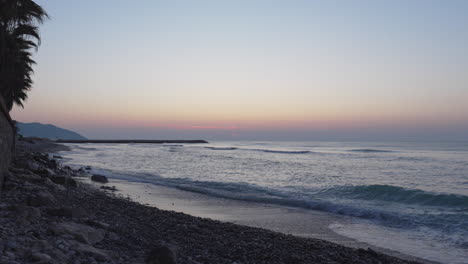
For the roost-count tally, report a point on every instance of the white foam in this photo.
(418, 243)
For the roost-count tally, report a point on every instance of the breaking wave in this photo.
(262, 150)
(371, 150)
(397, 194)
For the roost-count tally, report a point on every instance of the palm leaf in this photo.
(19, 33)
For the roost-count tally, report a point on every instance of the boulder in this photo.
(26, 214)
(48, 182)
(99, 178)
(15, 171)
(65, 181)
(66, 212)
(44, 171)
(41, 257)
(41, 158)
(30, 178)
(40, 245)
(53, 164)
(107, 188)
(30, 165)
(82, 233)
(42, 198)
(98, 224)
(88, 250)
(161, 254)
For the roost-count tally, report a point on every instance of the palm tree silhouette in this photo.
(19, 34)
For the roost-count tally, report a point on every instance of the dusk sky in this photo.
(253, 69)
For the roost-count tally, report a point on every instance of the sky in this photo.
(253, 69)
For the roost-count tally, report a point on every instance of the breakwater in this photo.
(127, 141)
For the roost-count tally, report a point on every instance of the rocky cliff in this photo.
(7, 140)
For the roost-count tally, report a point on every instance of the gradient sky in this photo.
(254, 69)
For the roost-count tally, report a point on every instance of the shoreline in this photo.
(286, 220)
(47, 216)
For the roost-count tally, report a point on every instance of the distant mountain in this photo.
(46, 131)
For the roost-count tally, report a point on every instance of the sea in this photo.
(410, 197)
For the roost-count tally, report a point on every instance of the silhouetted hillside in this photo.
(46, 131)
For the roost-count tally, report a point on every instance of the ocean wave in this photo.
(391, 193)
(262, 150)
(371, 150)
(448, 220)
(252, 192)
(220, 148)
(249, 193)
(84, 148)
(412, 158)
(283, 151)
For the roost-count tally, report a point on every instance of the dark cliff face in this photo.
(6, 141)
(47, 131)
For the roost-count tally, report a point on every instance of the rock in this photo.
(98, 224)
(41, 158)
(44, 171)
(41, 257)
(82, 233)
(66, 212)
(161, 254)
(88, 250)
(26, 213)
(99, 178)
(58, 256)
(17, 171)
(112, 189)
(88, 168)
(31, 165)
(41, 245)
(9, 185)
(11, 244)
(50, 183)
(65, 181)
(7, 207)
(42, 198)
(31, 177)
(52, 164)
(113, 236)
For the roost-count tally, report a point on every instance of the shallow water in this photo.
(414, 193)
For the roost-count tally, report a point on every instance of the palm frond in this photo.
(19, 33)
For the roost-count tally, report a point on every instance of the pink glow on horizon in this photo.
(258, 125)
(215, 127)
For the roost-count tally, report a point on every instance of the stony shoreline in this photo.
(47, 216)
